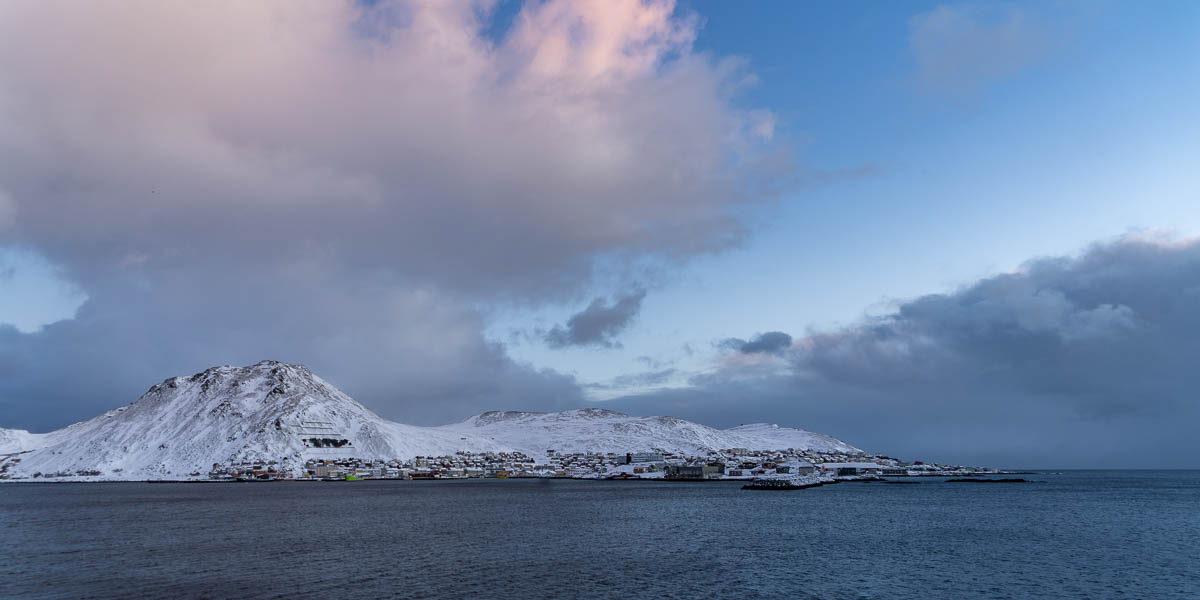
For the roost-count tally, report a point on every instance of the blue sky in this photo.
(32, 291)
(445, 208)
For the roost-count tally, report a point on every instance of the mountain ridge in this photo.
(284, 412)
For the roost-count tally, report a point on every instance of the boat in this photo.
(352, 478)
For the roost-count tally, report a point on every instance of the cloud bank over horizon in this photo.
(1088, 359)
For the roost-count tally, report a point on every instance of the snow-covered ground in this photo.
(600, 430)
(16, 440)
(271, 411)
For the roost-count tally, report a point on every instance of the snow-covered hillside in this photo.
(262, 412)
(600, 430)
(281, 412)
(769, 435)
(15, 440)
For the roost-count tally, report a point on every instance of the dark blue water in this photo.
(1077, 535)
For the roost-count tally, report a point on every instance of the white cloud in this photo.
(275, 129)
(346, 185)
(962, 49)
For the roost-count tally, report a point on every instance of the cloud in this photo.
(8, 211)
(653, 362)
(637, 380)
(771, 342)
(1083, 361)
(962, 49)
(280, 130)
(598, 324)
(350, 185)
(409, 354)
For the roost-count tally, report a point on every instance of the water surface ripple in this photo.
(1081, 534)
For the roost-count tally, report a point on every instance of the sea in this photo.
(1062, 535)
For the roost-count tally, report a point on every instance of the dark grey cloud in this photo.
(771, 342)
(409, 355)
(598, 324)
(1086, 361)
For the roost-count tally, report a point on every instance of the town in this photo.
(725, 464)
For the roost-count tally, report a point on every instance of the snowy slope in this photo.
(270, 410)
(15, 440)
(600, 430)
(768, 435)
(262, 412)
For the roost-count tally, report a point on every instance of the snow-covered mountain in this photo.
(276, 411)
(600, 430)
(268, 411)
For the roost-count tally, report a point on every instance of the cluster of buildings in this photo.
(459, 465)
(328, 455)
(248, 471)
(730, 463)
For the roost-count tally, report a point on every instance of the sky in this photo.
(944, 231)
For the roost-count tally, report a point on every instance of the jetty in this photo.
(788, 483)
